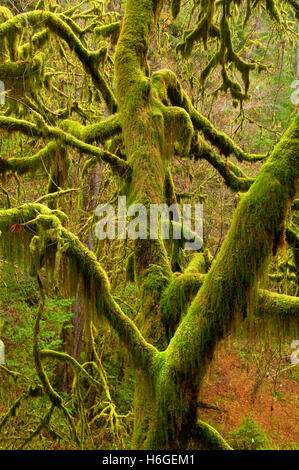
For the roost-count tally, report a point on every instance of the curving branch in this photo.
(233, 176)
(167, 86)
(48, 233)
(208, 438)
(89, 59)
(24, 165)
(98, 132)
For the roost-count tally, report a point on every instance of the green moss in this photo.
(5, 14)
(276, 315)
(271, 8)
(168, 86)
(200, 32)
(44, 131)
(38, 40)
(176, 298)
(10, 71)
(20, 166)
(234, 178)
(200, 263)
(99, 132)
(11, 41)
(111, 30)
(229, 291)
(89, 59)
(178, 131)
(209, 67)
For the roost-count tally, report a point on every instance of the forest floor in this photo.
(255, 409)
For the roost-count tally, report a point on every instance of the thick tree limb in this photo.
(98, 132)
(277, 306)
(28, 164)
(45, 221)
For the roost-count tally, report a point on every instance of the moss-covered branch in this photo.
(167, 86)
(202, 31)
(37, 41)
(43, 131)
(229, 292)
(89, 59)
(277, 309)
(208, 438)
(63, 357)
(111, 31)
(83, 270)
(24, 165)
(234, 178)
(99, 132)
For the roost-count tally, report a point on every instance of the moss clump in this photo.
(202, 30)
(178, 131)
